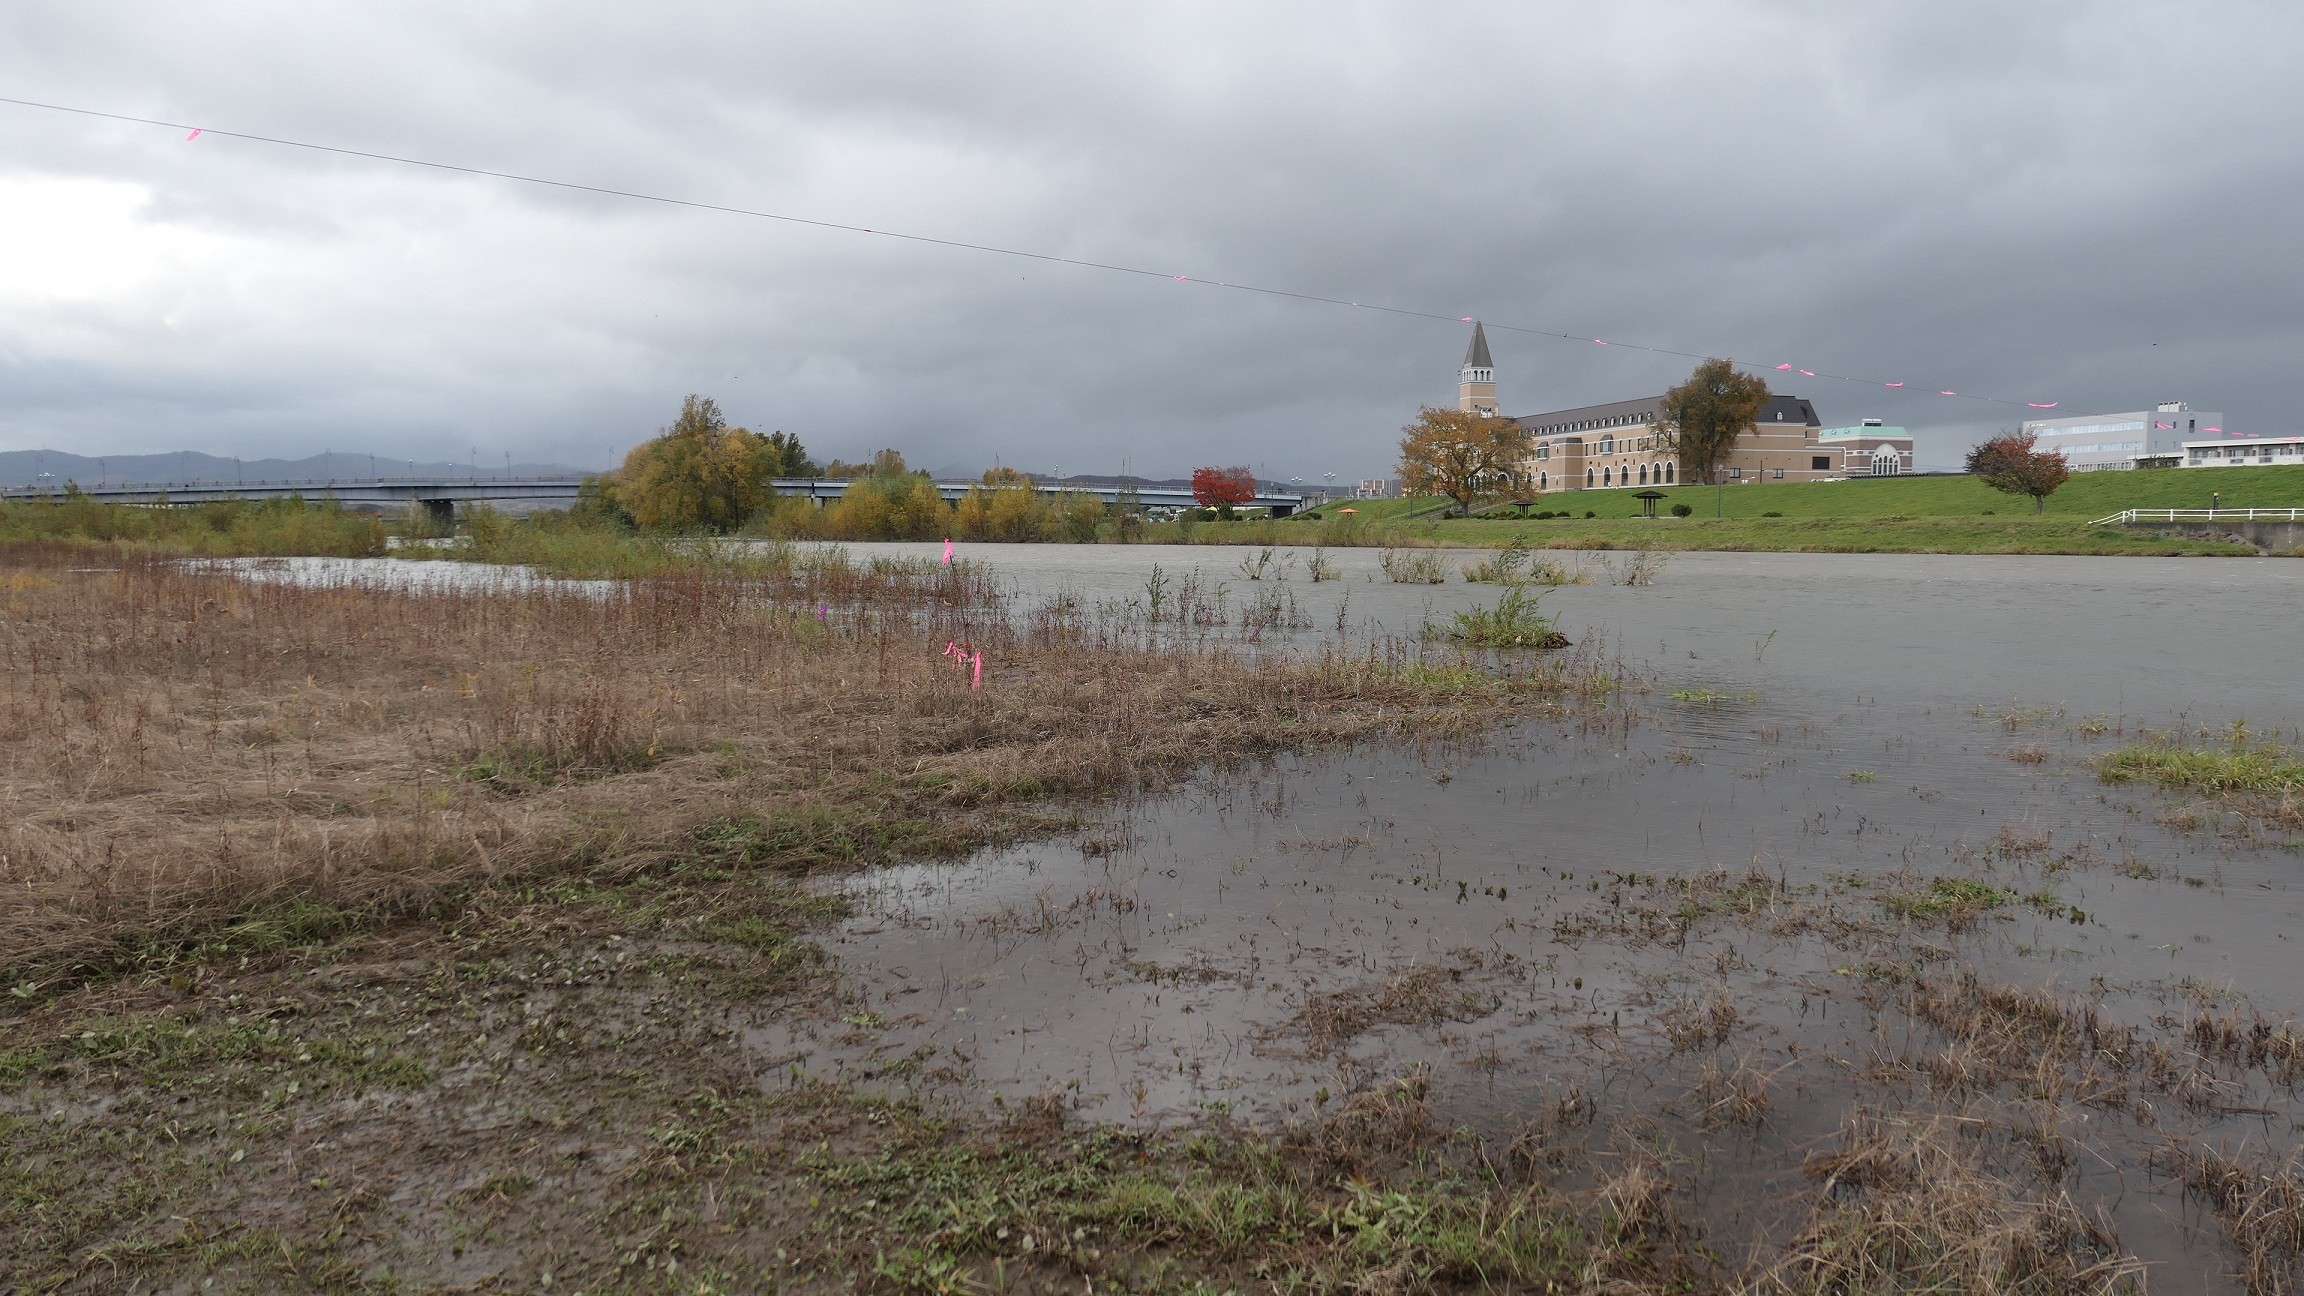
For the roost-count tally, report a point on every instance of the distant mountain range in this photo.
(56, 467)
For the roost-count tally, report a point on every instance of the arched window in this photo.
(1587, 479)
(1643, 474)
(1608, 476)
(1668, 472)
(1543, 480)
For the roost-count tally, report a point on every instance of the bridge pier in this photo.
(440, 512)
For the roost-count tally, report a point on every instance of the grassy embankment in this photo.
(1862, 515)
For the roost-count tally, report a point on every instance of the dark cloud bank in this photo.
(2090, 203)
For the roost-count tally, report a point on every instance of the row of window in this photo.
(1663, 474)
(1606, 446)
(1620, 420)
(2262, 452)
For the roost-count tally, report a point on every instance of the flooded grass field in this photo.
(1836, 868)
(1813, 923)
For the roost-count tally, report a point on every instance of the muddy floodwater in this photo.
(1841, 802)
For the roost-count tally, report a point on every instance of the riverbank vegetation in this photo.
(271, 528)
(195, 753)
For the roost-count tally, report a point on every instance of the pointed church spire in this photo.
(1476, 355)
(1476, 381)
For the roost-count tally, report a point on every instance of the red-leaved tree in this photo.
(1216, 487)
(2009, 463)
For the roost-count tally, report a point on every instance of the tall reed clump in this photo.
(193, 753)
(258, 528)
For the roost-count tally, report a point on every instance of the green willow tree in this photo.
(700, 474)
(1699, 420)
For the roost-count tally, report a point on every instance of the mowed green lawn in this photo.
(1866, 515)
(2088, 495)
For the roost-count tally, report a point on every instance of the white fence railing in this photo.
(2202, 515)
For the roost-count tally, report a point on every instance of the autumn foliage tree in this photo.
(699, 473)
(1699, 420)
(1217, 487)
(1460, 454)
(2009, 462)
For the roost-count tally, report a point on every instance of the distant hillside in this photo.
(32, 467)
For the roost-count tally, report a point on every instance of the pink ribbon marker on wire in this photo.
(2038, 405)
(193, 136)
(1783, 366)
(1891, 384)
(1810, 372)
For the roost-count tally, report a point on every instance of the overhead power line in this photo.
(200, 132)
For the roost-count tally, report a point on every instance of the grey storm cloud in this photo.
(2087, 203)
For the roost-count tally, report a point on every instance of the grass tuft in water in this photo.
(1515, 622)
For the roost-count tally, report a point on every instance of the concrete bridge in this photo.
(441, 494)
(437, 494)
(1282, 505)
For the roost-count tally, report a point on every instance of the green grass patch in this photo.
(1514, 622)
(1946, 899)
(2251, 771)
(939, 1214)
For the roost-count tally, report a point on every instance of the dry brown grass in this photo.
(2261, 1204)
(1944, 1204)
(192, 753)
(1700, 1022)
(1424, 995)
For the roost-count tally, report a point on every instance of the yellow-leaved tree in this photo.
(1461, 454)
(699, 473)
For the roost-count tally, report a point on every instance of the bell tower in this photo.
(1476, 381)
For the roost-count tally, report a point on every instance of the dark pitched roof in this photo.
(1794, 409)
(1476, 355)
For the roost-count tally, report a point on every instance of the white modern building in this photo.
(2097, 442)
(2243, 452)
(1871, 449)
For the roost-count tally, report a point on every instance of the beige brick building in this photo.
(1606, 447)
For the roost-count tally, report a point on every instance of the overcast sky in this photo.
(2089, 203)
